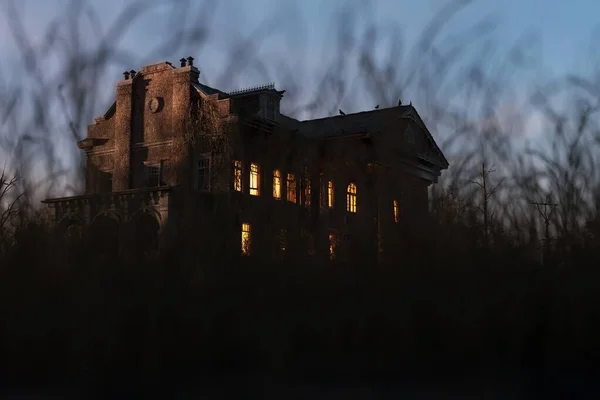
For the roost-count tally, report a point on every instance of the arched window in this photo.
(254, 179)
(351, 198)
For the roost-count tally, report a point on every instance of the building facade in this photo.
(172, 152)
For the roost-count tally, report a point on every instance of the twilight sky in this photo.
(564, 27)
(303, 36)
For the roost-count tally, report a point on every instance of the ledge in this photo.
(128, 192)
(88, 143)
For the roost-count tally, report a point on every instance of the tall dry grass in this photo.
(454, 304)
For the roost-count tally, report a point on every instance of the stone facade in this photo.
(170, 143)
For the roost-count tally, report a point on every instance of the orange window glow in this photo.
(332, 246)
(246, 239)
(277, 184)
(396, 211)
(237, 176)
(351, 198)
(291, 188)
(254, 179)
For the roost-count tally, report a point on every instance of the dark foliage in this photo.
(477, 296)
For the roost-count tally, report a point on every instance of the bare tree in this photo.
(487, 191)
(8, 204)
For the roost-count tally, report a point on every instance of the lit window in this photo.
(254, 181)
(204, 173)
(396, 211)
(330, 194)
(351, 198)
(291, 188)
(246, 239)
(237, 176)
(307, 192)
(277, 184)
(332, 246)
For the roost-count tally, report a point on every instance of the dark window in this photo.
(204, 169)
(154, 175)
(105, 182)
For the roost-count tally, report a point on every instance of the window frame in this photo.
(351, 198)
(277, 184)
(254, 184)
(202, 158)
(246, 239)
(105, 181)
(333, 245)
(150, 166)
(291, 186)
(238, 176)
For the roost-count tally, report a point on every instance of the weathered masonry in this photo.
(329, 187)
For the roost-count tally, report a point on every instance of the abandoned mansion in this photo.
(172, 157)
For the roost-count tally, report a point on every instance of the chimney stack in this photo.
(132, 73)
(126, 75)
(190, 60)
(182, 61)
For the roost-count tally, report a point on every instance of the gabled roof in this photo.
(339, 126)
(111, 111)
(207, 90)
(412, 113)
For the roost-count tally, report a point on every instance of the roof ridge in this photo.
(356, 113)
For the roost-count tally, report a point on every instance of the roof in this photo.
(340, 125)
(207, 90)
(371, 121)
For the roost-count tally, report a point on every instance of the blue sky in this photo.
(304, 38)
(565, 28)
